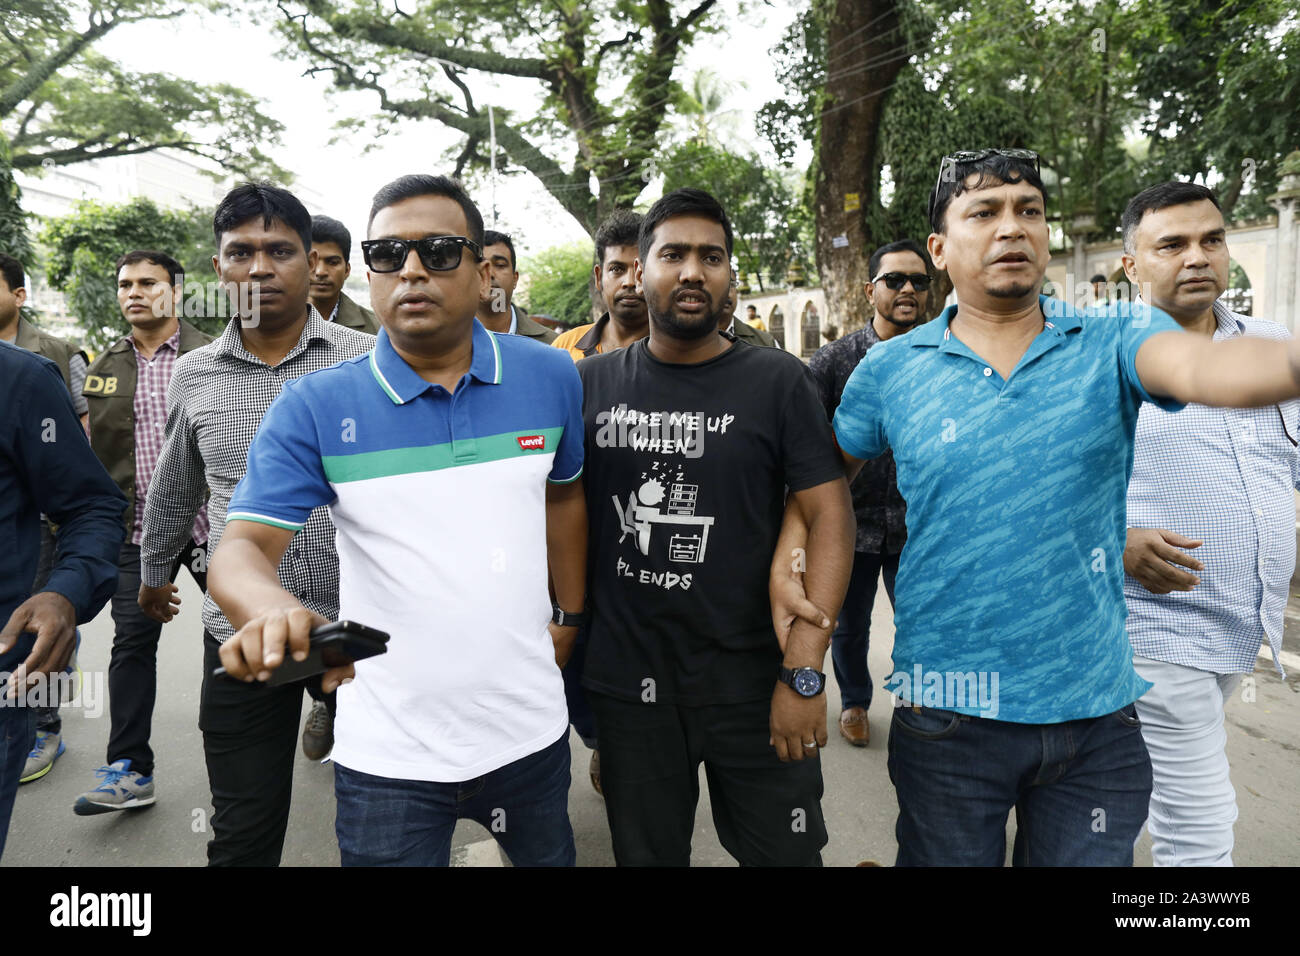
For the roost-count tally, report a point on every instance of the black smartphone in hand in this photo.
(335, 644)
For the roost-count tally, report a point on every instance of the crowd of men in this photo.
(653, 527)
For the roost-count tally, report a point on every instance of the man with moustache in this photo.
(497, 311)
(1218, 480)
(731, 325)
(688, 464)
(215, 403)
(900, 295)
(624, 320)
(126, 390)
(455, 494)
(333, 245)
(1011, 419)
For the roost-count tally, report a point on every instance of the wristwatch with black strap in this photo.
(567, 618)
(804, 681)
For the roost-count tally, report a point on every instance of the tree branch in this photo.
(372, 28)
(613, 45)
(469, 100)
(466, 154)
(577, 201)
(79, 154)
(31, 80)
(685, 22)
(22, 127)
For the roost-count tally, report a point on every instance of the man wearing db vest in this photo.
(126, 389)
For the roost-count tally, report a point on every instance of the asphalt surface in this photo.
(1263, 747)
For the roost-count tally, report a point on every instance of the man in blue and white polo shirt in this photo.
(450, 459)
(1011, 418)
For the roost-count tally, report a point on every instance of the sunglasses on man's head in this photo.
(438, 253)
(948, 165)
(896, 280)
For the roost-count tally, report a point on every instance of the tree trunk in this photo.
(862, 62)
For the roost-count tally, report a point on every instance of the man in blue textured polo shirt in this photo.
(1011, 420)
(450, 459)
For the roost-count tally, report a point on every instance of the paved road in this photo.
(1263, 745)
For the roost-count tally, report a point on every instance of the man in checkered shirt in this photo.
(216, 400)
(1219, 481)
(126, 392)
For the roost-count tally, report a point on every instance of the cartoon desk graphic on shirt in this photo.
(642, 513)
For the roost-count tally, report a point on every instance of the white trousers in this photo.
(1193, 805)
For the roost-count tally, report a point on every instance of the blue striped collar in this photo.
(401, 383)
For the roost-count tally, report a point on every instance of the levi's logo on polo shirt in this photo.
(532, 442)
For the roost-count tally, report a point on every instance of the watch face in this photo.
(807, 682)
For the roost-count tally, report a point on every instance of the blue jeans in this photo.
(384, 821)
(1080, 789)
(852, 636)
(17, 735)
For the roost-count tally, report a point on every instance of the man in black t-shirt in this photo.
(692, 440)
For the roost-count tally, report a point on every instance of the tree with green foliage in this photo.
(1225, 81)
(604, 69)
(62, 103)
(558, 282)
(769, 222)
(85, 245)
(1210, 89)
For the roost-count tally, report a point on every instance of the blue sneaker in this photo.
(122, 789)
(49, 748)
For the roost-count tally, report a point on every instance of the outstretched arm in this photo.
(1244, 372)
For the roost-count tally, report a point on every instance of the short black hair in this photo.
(175, 271)
(422, 184)
(493, 238)
(12, 271)
(682, 202)
(1155, 198)
(325, 229)
(1098, 278)
(901, 245)
(752, 306)
(250, 200)
(622, 227)
(992, 170)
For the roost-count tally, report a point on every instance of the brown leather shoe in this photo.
(854, 727)
(594, 770)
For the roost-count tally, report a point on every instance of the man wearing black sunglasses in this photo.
(1011, 418)
(900, 294)
(449, 457)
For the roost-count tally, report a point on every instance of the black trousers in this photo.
(767, 813)
(250, 739)
(133, 665)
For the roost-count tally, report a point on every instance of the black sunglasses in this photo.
(896, 280)
(438, 253)
(948, 166)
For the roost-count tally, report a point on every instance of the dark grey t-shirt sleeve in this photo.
(808, 449)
